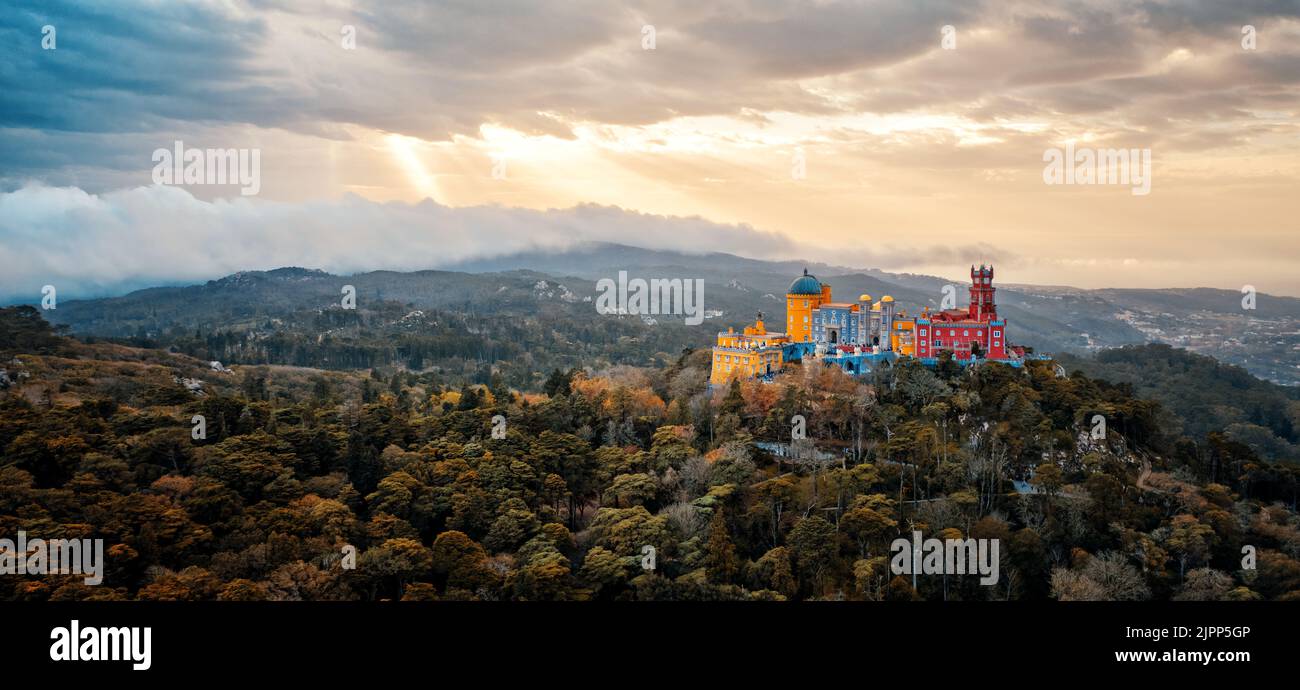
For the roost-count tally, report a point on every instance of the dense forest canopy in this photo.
(473, 487)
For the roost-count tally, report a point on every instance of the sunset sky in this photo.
(918, 158)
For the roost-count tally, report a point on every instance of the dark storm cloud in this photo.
(1208, 16)
(124, 67)
(803, 39)
(487, 38)
(446, 68)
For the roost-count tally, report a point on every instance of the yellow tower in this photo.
(806, 293)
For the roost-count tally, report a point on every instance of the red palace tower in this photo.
(982, 307)
(975, 331)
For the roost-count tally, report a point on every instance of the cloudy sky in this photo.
(407, 135)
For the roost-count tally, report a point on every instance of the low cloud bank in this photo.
(94, 245)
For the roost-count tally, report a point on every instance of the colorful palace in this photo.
(860, 336)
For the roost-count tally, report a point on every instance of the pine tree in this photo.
(734, 403)
(720, 561)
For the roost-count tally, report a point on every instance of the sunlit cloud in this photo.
(901, 141)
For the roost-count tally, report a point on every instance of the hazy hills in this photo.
(562, 285)
(1264, 341)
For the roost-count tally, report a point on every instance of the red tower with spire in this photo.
(982, 307)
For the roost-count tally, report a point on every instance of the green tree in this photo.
(1189, 540)
(631, 490)
(460, 562)
(720, 560)
(606, 571)
(773, 571)
(813, 545)
(869, 520)
(396, 562)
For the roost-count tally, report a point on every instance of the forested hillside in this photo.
(1204, 395)
(467, 325)
(593, 466)
(532, 312)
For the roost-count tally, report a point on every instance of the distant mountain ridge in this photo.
(1051, 318)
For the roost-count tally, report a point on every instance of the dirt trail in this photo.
(1143, 475)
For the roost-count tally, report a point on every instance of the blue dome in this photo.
(805, 285)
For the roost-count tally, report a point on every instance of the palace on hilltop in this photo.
(861, 335)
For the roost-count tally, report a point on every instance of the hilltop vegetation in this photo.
(594, 466)
(25, 331)
(1205, 396)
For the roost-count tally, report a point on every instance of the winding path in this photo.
(1144, 475)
